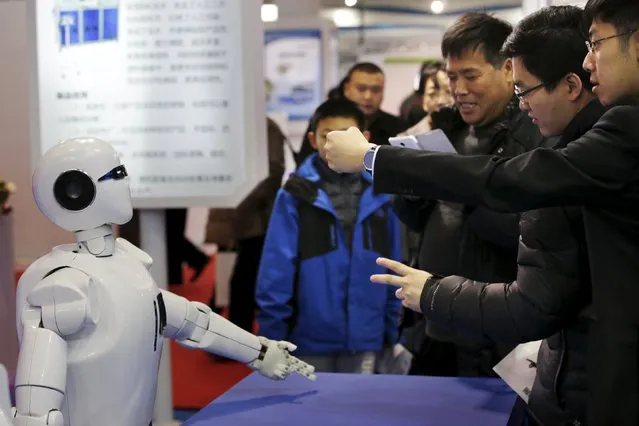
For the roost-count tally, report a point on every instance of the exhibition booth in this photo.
(173, 88)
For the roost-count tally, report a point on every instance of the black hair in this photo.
(551, 44)
(338, 108)
(426, 72)
(337, 92)
(621, 14)
(365, 67)
(473, 31)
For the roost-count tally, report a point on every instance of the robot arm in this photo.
(194, 325)
(58, 306)
(5, 402)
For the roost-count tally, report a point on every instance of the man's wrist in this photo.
(374, 158)
(368, 159)
(427, 298)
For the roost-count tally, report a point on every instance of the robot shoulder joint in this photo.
(67, 301)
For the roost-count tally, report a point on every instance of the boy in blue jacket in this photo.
(325, 233)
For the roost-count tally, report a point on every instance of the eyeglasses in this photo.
(594, 44)
(522, 95)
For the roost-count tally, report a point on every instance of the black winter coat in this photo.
(598, 171)
(487, 238)
(547, 301)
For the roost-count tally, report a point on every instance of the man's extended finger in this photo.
(387, 279)
(394, 266)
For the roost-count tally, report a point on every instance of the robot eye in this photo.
(115, 174)
(74, 190)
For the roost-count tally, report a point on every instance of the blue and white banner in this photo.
(293, 69)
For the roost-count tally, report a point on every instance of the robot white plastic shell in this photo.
(91, 319)
(73, 202)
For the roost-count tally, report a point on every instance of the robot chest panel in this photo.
(131, 304)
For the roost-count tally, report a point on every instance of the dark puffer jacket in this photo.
(548, 301)
(487, 239)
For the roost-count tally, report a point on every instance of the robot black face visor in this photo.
(117, 173)
(74, 190)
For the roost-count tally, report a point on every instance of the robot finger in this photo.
(305, 370)
(287, 345)
(281, 374)
(309, 375)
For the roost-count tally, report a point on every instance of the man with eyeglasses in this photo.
(549, 298)
(599, 170)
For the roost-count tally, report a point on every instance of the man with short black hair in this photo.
(598, 170)
(364, 85)
(480, 77)
(457, 239)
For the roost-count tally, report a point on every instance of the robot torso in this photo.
(113, 361)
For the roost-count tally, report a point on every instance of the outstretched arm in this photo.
(194, 325)
(593, 167)
(534, 307)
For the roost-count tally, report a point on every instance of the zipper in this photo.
(334, 236)
(347, 295)
(366, 235)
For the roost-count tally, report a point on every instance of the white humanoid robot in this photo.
(91, 319)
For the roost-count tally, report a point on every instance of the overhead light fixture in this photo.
(350, 3)
(437, 6)
(345, 17)
(270, 12)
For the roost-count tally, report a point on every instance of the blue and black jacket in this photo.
(314, 291)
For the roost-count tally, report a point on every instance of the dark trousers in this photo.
(243, 279)
(179, 248)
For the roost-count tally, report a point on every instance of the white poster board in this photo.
(294, 62)
(176, 86)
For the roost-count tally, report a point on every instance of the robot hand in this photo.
(277, 363)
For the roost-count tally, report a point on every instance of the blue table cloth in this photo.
(369, 400)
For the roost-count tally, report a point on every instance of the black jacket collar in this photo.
(581, 123)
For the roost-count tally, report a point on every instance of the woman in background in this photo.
(436, 95)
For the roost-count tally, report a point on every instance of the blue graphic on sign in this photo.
(79, 24)
(294, 72)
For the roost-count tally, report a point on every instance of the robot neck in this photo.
(97, 241)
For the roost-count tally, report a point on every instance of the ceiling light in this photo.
(270, 12)
(345, 18)
(350, 3)
(437, 6)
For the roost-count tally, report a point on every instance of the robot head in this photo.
(80, 184)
